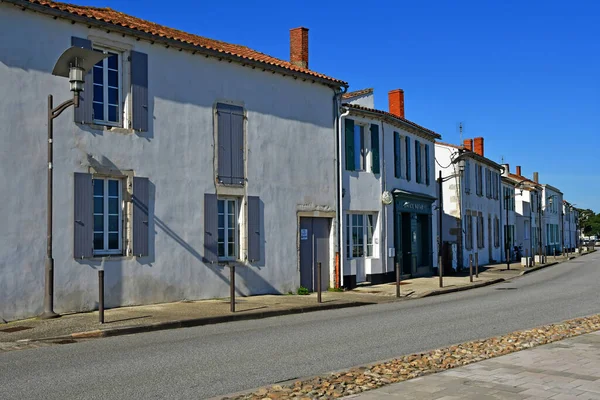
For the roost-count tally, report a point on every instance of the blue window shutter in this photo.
(84, 113)
(375, 148)
(224, 143)
(237, 146)
(408, 157)
(211, 228)
(139, 90)
(83, 232)
(397, 155)
(349, 145)
(141, 222)
(427, 166)
(418, 161)
(254, 229)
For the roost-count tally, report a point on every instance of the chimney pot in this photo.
(396, 102)
(536, 177)
(506, 169)
(468, 144)
(299, 47)
(478, 144)
(519, 170)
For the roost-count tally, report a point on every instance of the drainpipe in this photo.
(339, 209)
(383, 226)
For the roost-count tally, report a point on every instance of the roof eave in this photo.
(334, 83)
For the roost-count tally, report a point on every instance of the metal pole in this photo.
(49, 266)
(440, 235)
(477, 265)
(471, 267)
(506, 239)
(319, 282)
(398, 267)
(232, 286)
(101, 295)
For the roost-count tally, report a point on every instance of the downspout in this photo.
(339, 209)
(383, 225)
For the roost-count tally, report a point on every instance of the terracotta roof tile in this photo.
(357, 93)
(114, 17)
(390, 115)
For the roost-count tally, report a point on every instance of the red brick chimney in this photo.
(478, 142)
(536, 177)
(396, 102)
(468, 144)
(299, 47)
(519, 170)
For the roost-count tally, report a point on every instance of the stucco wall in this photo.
(286, 119)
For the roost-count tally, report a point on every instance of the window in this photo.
(496, 232)
(230, 144)
(509, 234)
(479, 180)
(107, 216)
(107, 89)
(360, 229)
(227, 239)
(469, 232)
(397, 155)
(509, 198)
(467, 177)
(418, 164)
(408, 153)
(480, 232)
(427, 166)
(526, 229)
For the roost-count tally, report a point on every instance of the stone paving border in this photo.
(372, 376)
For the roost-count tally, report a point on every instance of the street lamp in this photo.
(461, 169)
(73, 63)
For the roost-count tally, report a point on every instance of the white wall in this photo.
(290, 167)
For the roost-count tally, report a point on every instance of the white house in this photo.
(509, 217)
(185, 154)
(471, 204)
(552, 207)
(386, 159)
(570, 226)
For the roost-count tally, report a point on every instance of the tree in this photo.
(589, 222)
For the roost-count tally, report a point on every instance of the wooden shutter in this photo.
(427, 166)
(254, 232)
(237, 146)
(408, 157)
(375, 148)
(349, 145)
(224, 143)
(397, 155)
(418, 176)
(83, 201)
(211, 228)
(141, 199)
(231, 144)
(139, 90)
(84, 113)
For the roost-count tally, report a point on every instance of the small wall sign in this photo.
(303, 234)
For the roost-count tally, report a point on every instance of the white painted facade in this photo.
(511, 219)
(362, 195)
(284, 119)
(552, 204)
(463, 205)
(570, 217)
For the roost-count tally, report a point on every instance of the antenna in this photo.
(502, 158)
(460, 131)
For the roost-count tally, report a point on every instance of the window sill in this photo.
(108, 128)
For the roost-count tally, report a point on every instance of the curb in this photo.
(188, 323)
(528, 271)
(461, 288)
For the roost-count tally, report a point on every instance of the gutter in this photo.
(340, 205)
(92, 22)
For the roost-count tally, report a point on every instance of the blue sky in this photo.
(525, 75)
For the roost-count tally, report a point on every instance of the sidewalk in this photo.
(568, 369)
(128, 320)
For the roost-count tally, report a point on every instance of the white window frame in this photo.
(368, 246)
(105, 250)
(236, 237)
(120, 114)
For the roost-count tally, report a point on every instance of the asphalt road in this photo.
(216, 360)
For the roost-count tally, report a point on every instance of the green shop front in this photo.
(413, 232)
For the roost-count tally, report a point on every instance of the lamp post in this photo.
(461, 169)
(73, 63)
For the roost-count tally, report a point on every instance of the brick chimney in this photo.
(299, 47)
(536, 177)
(519, 170)
(468, 144)
(396, 102)
(478, 143)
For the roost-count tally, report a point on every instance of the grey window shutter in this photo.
(84, 113)
(418, 161)
(141, 199)
(408, 156)
(139, 90)
(397, 156)
(211, 228)
(349, 139)
(224, 143)
(237, 146)
(254, 232)
(83, 232)
(375, 148)
(427, 166)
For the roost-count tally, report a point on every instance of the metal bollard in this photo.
(398, 279)
(471, 267)
(477, 265)
(232, 286)
(101, 296)
(319, 282)
(441, 269)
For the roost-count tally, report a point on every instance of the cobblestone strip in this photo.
(361, 379)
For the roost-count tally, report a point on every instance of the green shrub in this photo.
(303, 291)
